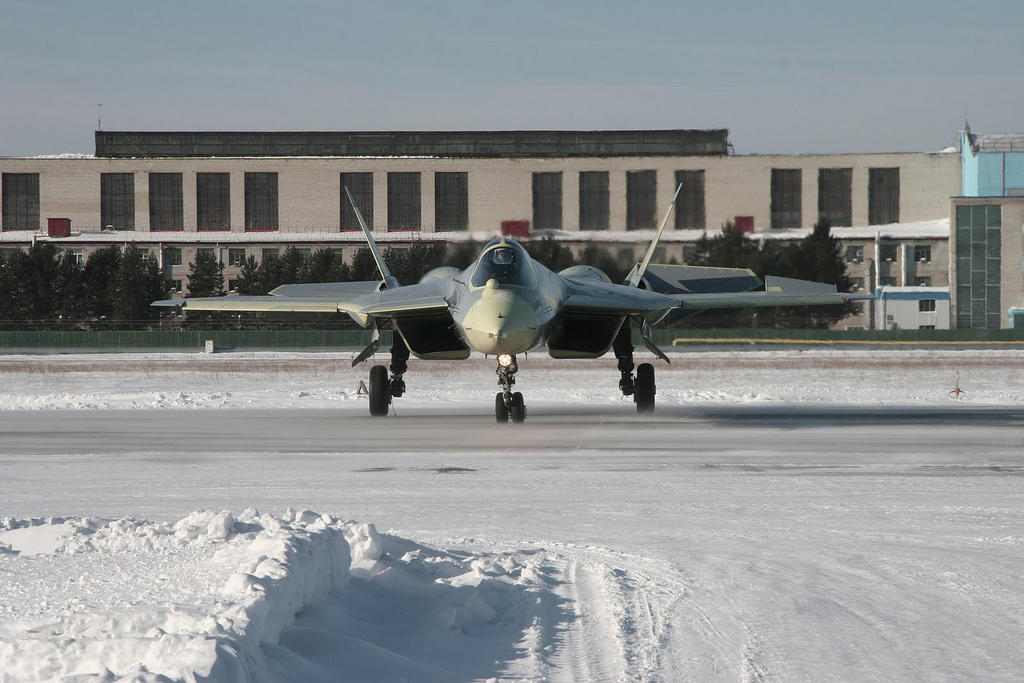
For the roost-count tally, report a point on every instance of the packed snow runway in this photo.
(785, 515)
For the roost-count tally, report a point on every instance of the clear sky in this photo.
(783, 77)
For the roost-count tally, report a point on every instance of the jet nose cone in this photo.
(501, 322)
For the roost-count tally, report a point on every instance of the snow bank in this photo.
(215, 597)
(133, 600)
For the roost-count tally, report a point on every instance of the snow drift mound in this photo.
(215, 597)
(127, 599)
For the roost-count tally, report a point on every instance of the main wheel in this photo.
(500, 411)
(643, 389)
(518, 410)
(380, 391)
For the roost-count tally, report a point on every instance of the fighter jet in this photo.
(506, 304)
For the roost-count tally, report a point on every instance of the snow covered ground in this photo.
(786, 515)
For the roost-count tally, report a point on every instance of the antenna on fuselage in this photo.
(385, 274)
(638, 273)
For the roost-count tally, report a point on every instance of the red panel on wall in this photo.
(744, 223)
(515, 228)
(58, 227)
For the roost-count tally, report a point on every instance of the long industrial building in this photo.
(252, 194)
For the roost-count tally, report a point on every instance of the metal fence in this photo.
(328, 339)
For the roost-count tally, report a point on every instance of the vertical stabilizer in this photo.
(638, 273)
(385, 274)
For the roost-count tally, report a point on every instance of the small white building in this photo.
(912, 308)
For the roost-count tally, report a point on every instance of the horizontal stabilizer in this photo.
(669, 279)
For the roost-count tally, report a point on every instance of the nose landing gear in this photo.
(508, 404)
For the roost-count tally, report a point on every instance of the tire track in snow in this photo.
(620, 618)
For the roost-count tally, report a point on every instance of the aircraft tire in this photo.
(380, 391)
(644, 389)
(500, 411)
(518, 409)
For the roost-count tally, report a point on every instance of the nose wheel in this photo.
(508, 404)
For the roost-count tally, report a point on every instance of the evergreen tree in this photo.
(100, 281)
(461, 254)
(206, 276)
(327, 266)
(817, 257)
(550, 253)
(69, 290)
(364, 266)
(137, 283)
(249, 282)
(411, 264)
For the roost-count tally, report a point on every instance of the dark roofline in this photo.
(457, 144)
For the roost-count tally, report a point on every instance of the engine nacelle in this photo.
(440, 273)
(585, 273)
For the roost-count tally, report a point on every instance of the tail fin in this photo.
(385, 274)
(638, 273)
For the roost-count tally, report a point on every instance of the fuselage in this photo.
(505, 303)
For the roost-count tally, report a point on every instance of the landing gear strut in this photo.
(642, 388)
(382, 387)
(508, 404)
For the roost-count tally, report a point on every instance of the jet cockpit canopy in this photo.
(506, 262)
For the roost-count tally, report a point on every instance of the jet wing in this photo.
(779, 291)
(270, 304)
(605, 298)
(363, 301)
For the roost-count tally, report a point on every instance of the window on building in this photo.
(690, 213)
(213, 201)
(857, 283)
(547, 201)
(20, 198)
(887, 281)
(361, 187)
(77, 257)
(689, 255)
(208, 252)
(304, 252)
(641, 200)
(926, 305)
(594, 200)
(835, 195)
(173, 286)
(883, 196)
(172, 256)
(451, 201)
(978, 238)
(166, 203)
(923, 253)
(404, 201)
(922, 281)
(117, 201)
(7, 253)
(926, 327)
(266, 254)
(261, 202)
(887, 253)
(855, 254)
(144, 254)
(786, 197)
(232, 285)
(236, 257)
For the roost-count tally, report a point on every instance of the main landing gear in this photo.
(508, 404)
(384, 387)
(642, 388)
